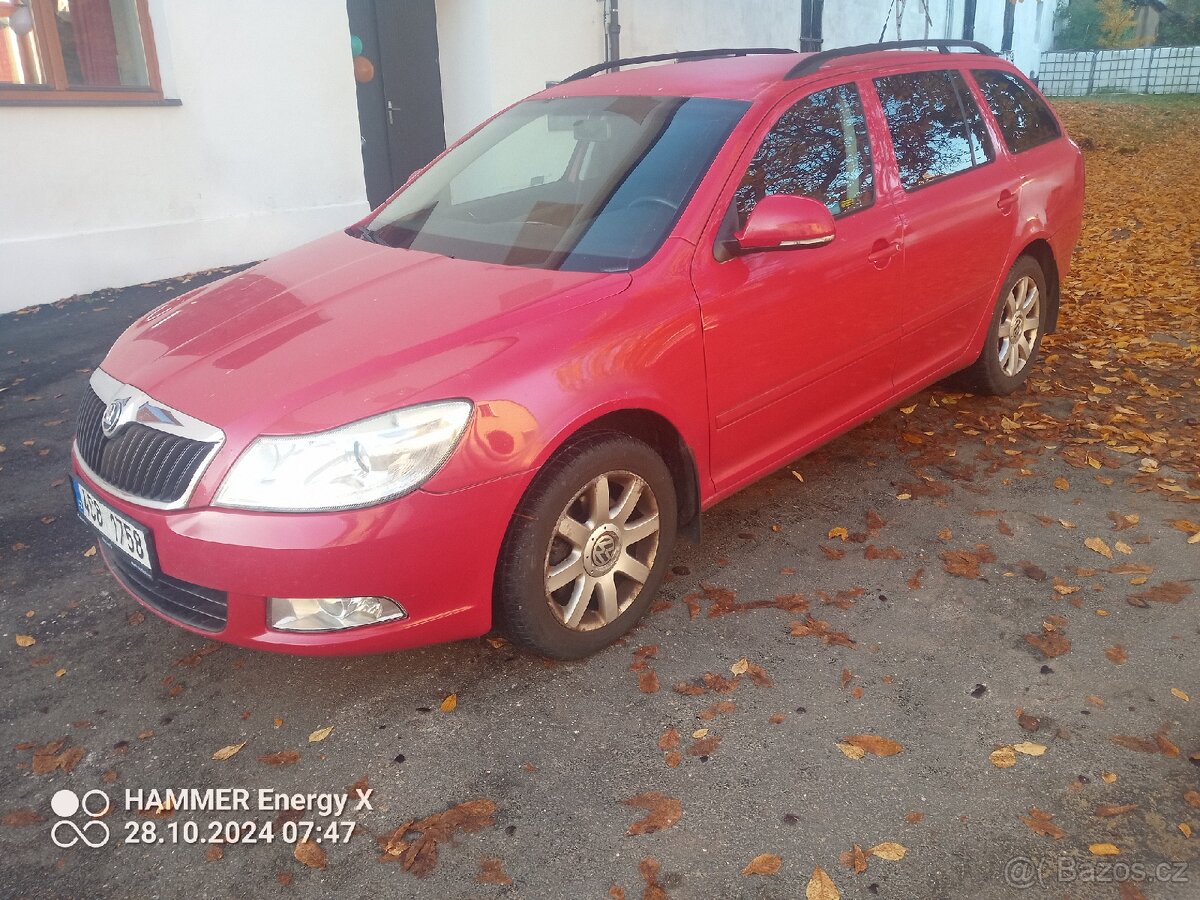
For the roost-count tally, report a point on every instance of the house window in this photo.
(55, 51)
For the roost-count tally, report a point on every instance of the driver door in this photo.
(800, 343)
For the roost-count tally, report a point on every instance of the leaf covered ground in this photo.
(958, 640)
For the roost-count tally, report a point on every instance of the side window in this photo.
(818, 149)
(1023, 117)
(936, 127)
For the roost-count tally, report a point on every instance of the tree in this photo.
(1076, 25)
(1117, 24)
(1180, 24)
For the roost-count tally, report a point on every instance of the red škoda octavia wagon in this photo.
(502, 395)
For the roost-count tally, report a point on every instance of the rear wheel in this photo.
(1014, 333)
(588, 547)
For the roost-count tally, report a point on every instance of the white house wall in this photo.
(495, 52)
(262, 155)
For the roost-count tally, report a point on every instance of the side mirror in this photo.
(785, 222)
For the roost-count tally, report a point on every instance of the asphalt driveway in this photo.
(961, 638)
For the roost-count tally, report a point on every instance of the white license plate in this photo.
(128, 537)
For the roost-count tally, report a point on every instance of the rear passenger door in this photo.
(956, 202)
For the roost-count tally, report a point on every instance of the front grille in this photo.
(191, 604)
(138, 460)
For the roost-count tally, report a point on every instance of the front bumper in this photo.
(435, 554)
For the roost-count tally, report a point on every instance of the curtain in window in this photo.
(95, 41)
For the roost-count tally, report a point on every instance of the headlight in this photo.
(356, 465)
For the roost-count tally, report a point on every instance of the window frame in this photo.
(58, 90)
(963, 92)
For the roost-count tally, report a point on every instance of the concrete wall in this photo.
(262, 155)
(494, 52)
(497, 51)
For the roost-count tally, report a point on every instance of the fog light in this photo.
(330, 613)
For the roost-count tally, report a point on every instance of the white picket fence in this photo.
(1146, 70)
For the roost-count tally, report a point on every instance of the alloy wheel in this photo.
(603, 548)
(1020, 322)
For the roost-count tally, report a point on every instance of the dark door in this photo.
(399, 92)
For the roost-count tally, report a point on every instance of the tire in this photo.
(606, 560)
(1003, 365)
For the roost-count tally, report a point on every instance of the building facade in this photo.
(148, 138)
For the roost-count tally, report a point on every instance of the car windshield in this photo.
(590, 184)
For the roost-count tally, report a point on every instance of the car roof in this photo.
(747, 77)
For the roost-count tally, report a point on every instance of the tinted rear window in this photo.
(937, 130)
(1023, 117)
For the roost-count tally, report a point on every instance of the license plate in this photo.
(123, 534)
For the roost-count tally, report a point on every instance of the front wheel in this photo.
(1014, 333)
(587, 548)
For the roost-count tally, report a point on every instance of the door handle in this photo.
(1008, 199)
(882, 251)
(392, 108)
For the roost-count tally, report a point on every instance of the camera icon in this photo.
(66, 804)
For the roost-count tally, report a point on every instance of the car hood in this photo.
(336, 331)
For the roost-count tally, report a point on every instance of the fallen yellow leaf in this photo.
(874, 744)
(60, 673)
(320, 734)
(1186, 829)
(226, 752)
(1062, 484)
(821, 887)
(1180, 694)
(763, 864)
(1003, 758)
(1108, 777)
(90, 551)
(839, 532)
(26, 640)
(740, 667)
(851, 751)
(1029, 748)
(699, 733)
(889, 850)
(1099, 546)
(449, 704)
(1103, 849)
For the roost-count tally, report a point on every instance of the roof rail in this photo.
(811, 63)
(682, 56)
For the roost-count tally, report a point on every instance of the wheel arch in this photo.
(661, 435)
(1043, 254)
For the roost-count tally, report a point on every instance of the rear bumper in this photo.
(435, 554)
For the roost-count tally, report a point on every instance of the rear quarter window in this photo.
(1024, 119)
(936, 128)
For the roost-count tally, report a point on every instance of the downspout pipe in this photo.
(613, 34)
